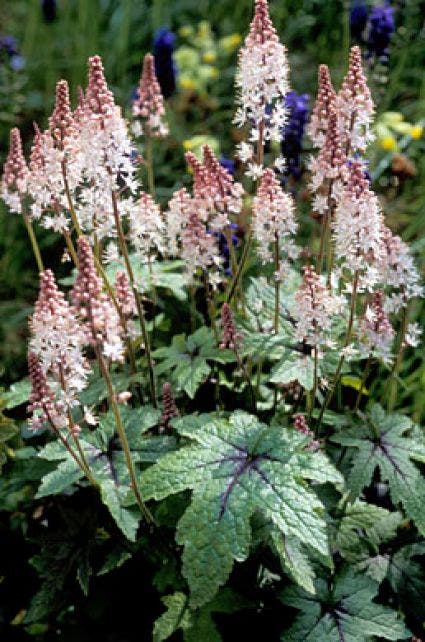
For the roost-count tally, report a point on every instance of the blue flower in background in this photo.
(358, 18)
(228, 164)
(224, 249)
(9, 51)
(48, 8)
(293, 132)
(381, 29)
(165, 66)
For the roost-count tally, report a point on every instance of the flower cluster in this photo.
(314, 310)
(376, 330)
(319, 121)
(13, 185)
(274, 220)
(262, 83)
(148, 105)
(357, 227)
(214, 186)
(355, 107)
(95, 308)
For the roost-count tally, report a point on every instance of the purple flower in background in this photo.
(224, 249)
(48, 9)
(165, 67)
(293, 132)
(228, 164)
(9, 51)
(358, 18)
(381, 29)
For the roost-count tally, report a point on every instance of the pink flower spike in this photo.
(262, 78)
(169, 408)
(42, 397)
(99, 100)
(15, 174)
(314, 309)
(95, 308)
(273, 218)
(378, 333)
(358, 226)
(231, 338)
(355, 106)
(149, 103)
(326, 95)
(124, 294)
(61, 122)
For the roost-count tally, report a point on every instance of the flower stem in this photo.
(122, 435)
(363, 381)
(136, 294)
(392, 384)
(33, 239)
(332, 389)
(149, 165)
(276, 285)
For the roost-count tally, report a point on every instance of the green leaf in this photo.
(342, 610)
(235, 467)
(66, 474)
(175, 617)
(18, 394)
(388, 443)
(364, 525)
(407, 578)
(116, 558)
(294, 560)
(187, 359)
(108, 468)
(294, 367)
(126, 520)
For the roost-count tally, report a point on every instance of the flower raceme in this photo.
(319, 121)
(148, 105)
(95, 308)
(261, 83)
(314, 310)
(274, 219)
(357, 227)
(15, 174)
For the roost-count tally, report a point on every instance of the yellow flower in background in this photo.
(209, 56)
(388, 143)
(230, 43)
(416, 131)
(186, 31)
(187, 83)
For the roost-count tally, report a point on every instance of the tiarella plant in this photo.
(273, 442)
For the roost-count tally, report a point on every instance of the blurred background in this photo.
(195, 43)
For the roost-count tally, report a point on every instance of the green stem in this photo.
(315, 382)
(149, 165)
(35, 248)
(332, 389)
(239, 272)
(363, 381)
(392, 385)
(247, 379)
(137, 298)
(122, 435)
(72, 212)
(276, 285)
